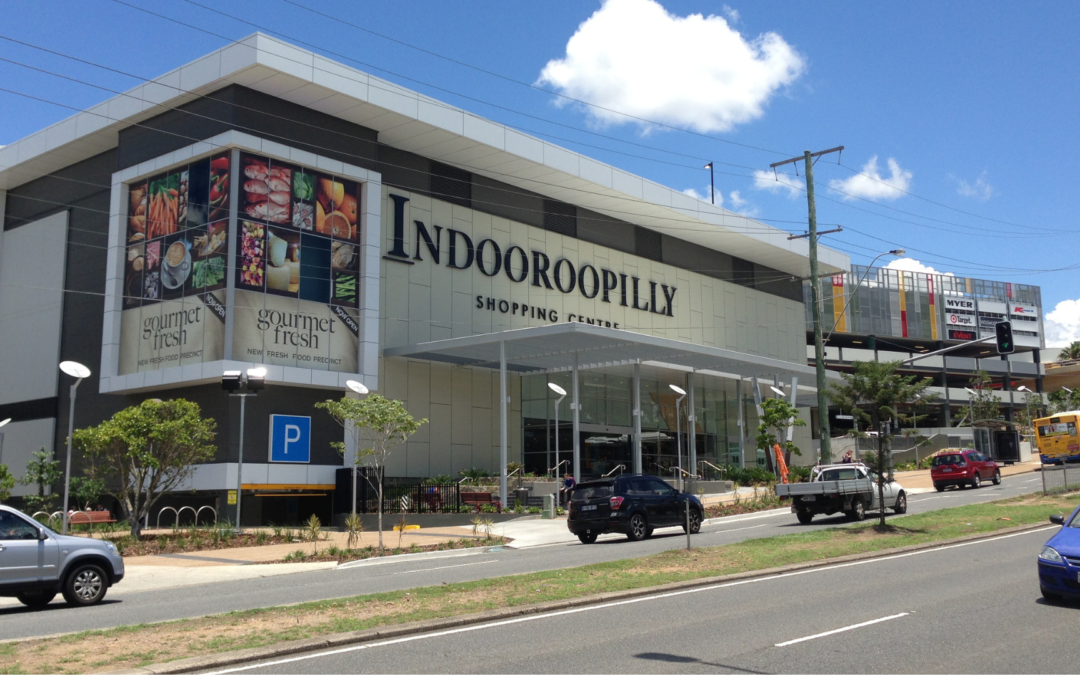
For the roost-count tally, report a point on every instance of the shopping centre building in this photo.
(265, 206)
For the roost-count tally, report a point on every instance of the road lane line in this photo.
(446, 567)
(407, 557)
(841, 630)
(737, 529)
(608, 605)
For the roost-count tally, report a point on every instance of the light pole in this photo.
(80, 373)
(678, 430)
(3, 423)
(712, 189)
(231, 381)
(562, 394)
(848, 299)
(915, 428)
(360, 389)
(1027, 403)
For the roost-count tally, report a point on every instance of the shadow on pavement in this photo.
(53, 606)
(675, 658)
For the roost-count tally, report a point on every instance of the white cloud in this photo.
(737, 201)
(870, 184)
(981, 189)
(704, 195)
(779, 182)
(635, 57)
(1062, 325)
(731, 13)
(913, 265)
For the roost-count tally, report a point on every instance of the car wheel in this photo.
(901, 504)
(804, 517)
(1050, 597)
(86, 585)
(997, 477)
(695, 522)
(638, 528)
(857, 512)
(939, 488)
(36, 600)
(976, 481)
(587, 538)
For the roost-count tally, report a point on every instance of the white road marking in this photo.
(737, 529)
(407, 557)
(608, 605)
(446, 567)
(840, 630)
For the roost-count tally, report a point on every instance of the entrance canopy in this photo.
(552, 349)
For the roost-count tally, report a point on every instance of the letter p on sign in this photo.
(290, 439)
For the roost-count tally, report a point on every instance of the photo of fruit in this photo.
(336, 207)
(218, 201)
(251, 259)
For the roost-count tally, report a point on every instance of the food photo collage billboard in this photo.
(296, 267)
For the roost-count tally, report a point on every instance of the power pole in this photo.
(815, 295)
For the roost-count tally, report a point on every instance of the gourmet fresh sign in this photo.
(458, 251)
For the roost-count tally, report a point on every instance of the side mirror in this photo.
(1057, 520)
(41, 534)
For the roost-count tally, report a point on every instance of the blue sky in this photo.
(972, 103)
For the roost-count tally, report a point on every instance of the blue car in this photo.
(1059, 560)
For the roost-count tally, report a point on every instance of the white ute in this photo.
(848, 488)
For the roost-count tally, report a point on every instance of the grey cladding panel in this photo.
(500, 199)
(605, 231)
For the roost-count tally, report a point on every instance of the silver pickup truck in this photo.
(848, 488)
(37, 563)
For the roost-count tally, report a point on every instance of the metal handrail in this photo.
(510, 475)
(552, 469)
(685, 473)
(620, 469)
(715, 468)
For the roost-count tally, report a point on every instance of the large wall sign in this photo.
(296, 283)
(290, 439)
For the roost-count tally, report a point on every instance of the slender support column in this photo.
(741, 423)
(1009, 414)
(502, 422)
(946, 409)
(794, 404)
(67, 466)
(576, 405)
(240, 463)
(637, 418)
(691, 420)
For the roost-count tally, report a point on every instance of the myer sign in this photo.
(960, 303)
(457, 250)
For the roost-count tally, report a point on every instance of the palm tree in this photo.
(1070, 353)
(872, 393)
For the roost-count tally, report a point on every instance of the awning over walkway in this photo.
(552, 348)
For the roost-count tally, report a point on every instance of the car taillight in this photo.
(615, 503)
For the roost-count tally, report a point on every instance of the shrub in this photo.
(798, 474)
(354, 525)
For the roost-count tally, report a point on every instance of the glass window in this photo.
(593, 491)
(949, 460)
(661, 488)
(13, 527)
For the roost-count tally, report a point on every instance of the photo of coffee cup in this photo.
(176, 265)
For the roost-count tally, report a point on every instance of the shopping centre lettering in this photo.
(516, 264)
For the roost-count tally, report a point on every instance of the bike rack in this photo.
(176, 520)
(194, 514)
(212, 510)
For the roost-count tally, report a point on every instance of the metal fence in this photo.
(1060, 478)
(415, 499)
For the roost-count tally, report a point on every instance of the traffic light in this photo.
(1005, 345)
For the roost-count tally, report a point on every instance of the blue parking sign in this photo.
(290, 439)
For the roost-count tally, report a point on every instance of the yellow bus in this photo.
(1057, 439)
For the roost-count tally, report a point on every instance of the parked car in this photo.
(36, 563)
(963, 468)
(848, 488)
(1059, 560)
(633, 504)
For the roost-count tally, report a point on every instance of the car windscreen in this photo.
(593, 491)
(948, 460)
(839, 474)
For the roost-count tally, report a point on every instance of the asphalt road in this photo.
(969, 608)
(399, 573)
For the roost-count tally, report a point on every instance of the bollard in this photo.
(549, 507)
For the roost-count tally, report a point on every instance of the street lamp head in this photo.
(1023, 388)
(1067, 389)
(709, 165)
(971, 391)
(231, 380)
(75, 369)
(256, 378)
(4, 423)
(677, 390)
(779, 392)
(358, 387)
(898, 251)
(556, 388)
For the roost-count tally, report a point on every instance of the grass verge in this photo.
(126, 647)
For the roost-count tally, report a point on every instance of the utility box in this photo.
(549, 507)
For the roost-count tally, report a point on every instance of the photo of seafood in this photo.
(344, 256)
(267, 190)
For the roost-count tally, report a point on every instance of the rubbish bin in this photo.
(521, 496)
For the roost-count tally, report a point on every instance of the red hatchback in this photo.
(963, 468)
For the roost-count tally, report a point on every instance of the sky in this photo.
(958, 119)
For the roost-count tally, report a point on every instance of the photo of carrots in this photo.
(164, 206)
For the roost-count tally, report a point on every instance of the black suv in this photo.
(633, 504)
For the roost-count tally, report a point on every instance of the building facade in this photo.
(264, 206)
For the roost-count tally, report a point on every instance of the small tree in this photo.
(86, 490)
(985, 404)
(872, 393)
(1070, 353)
(146, 450)
(1063, 401)
(7, 483)
(376, 426)
(44, 472)
(776, 416)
